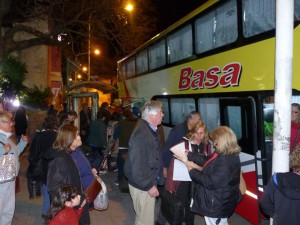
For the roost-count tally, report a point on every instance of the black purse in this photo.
(171, 207)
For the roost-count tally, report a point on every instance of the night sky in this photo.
(169, 11)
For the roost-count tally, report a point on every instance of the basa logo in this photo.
(214, 76)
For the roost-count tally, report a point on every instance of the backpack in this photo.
(110, 139)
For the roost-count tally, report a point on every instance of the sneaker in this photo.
(116, 183)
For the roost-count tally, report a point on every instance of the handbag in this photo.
(101, 201)
(171, 207)
(8, 168)
(93, 189)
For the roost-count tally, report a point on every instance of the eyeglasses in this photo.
(6, 121)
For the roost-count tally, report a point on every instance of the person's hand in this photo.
(7, 147)
(94, 171)
(153, 192)
(191, 165)
(83, 203)
(24, 138)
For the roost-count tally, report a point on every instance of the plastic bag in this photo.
(101, 201)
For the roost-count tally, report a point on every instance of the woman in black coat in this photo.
(217, 179)
(62, 169)
(38, 165)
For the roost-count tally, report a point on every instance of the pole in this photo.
(89, 50)
(283, 85)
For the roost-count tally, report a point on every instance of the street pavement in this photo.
(120, 210)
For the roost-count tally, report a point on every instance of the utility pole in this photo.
(89, 50)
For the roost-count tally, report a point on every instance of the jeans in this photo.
(120, 163)
(46, 199)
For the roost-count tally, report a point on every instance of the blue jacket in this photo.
(174, 138)
(281, 199)
(84, 167)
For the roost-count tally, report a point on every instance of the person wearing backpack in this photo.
(38, 165)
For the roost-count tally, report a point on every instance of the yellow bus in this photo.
(218, 60)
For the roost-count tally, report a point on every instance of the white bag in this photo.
(101, 201)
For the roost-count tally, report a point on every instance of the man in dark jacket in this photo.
(143, 166)
(281, 199)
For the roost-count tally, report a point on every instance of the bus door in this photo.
(240, 115)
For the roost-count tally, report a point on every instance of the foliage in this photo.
(12, 75)
(69, 23)
(36, 97)
(268, 127)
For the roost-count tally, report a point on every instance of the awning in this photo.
(103, 87)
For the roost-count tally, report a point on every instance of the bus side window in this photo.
(210, 112)
(268, 130)
(180, 108)
(165, 109)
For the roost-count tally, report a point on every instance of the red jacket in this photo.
(67, 216)
(294, 130)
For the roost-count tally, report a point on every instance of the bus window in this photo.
(157, 55)
(165, 109)
(297, 9)
(180, 108)
(142, 62)
(180, 44)
(130, 67)
(217, 28)
(239, 115)
(209, 110)
(268, 121)
(123, 69)
(258, 16)
(234, 116)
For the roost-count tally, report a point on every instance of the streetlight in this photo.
(129, 7)
(88, 68)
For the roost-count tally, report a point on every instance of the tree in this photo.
(12, 75)
(69, 22)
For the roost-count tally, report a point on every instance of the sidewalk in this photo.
(120, 210)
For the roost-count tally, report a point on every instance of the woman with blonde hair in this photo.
(217, 178)
(196, 142)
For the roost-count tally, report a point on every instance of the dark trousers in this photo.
(183, 194)
(120, 162)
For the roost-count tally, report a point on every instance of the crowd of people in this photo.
(61, 172)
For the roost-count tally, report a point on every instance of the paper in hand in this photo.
(179, 151)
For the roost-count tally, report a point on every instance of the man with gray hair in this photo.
(143, 166)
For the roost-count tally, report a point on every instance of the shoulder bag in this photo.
(93, 189)
(8, 167)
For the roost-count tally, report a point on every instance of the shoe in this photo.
(44, 216)
(116, 183)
